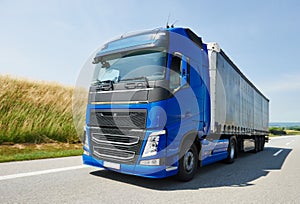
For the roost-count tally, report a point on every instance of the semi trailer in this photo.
(162, 103)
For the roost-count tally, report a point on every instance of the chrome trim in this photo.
(133, 130)
(114, 157)
(111, 142)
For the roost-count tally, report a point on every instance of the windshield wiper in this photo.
(104, 85)
(145, 79)
(102, 82)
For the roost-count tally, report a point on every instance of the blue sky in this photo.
(51, 40)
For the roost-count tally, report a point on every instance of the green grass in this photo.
(292, 132)
(275, 131)
(35, 112)
(20, 152)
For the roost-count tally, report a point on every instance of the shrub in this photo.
(277, 131)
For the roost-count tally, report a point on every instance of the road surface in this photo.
(271, 176)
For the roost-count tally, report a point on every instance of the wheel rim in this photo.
(188, 161)
(232, 150)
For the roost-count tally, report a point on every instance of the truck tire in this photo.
(188, 163)
(256, 142)
(259, 143)
(262, 143)
(231, 151)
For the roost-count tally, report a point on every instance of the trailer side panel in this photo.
(237, 106)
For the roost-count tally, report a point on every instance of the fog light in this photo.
(150, 162)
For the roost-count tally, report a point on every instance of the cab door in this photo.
(182, 107)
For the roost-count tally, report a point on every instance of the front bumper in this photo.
(161, 171)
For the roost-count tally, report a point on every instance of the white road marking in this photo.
(281, 137)
(278, 152)
(287, 144)
(48, 171)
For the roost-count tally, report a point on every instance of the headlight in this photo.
(151, 147)
(86, 141)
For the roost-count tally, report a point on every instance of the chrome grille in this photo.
(115, 139)
(112, 153)
(121, 145)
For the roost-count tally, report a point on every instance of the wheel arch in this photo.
(188, 139)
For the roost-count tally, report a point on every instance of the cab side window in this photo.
(175, 73)
(179, 74)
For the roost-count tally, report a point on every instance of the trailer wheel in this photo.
(231, 151)
(259, 143)
(256, 142)
(187, 163)
(263, 143)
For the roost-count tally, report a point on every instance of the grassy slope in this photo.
(35, 112)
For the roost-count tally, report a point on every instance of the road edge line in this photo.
(34, 173)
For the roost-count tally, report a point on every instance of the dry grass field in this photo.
(35, 112)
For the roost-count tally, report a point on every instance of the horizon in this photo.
(282, 124)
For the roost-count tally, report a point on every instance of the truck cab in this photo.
(149, 106)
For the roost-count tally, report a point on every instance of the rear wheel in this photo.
(256, 143)
(259, 143)
(231, 151)
(263, 143)
(188, 163)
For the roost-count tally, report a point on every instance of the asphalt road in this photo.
(271, 176)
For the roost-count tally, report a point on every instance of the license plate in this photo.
(111, 165)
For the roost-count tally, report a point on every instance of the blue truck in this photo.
(162, 103)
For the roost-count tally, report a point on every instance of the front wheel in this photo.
(188, 163)
(231, 151)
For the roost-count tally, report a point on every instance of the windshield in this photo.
(139, 64)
